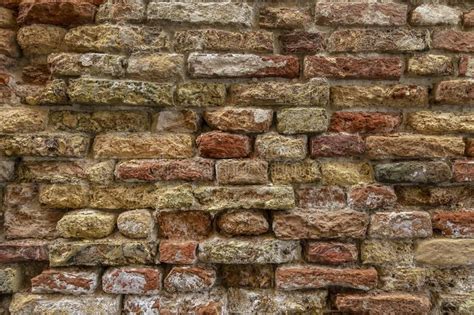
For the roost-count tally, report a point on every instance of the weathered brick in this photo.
(459, 224)
(301, 120)
(8, 45)
(415, 224)
(7, 170)
(316, 277)
(11, 279)
(23, 250)
(468, 18)
(470, 147)
(243, 171)
(455, 92)
(132, 280)
(296, 42)
(210, 13)
(463, 171)
(245, 197)
(178, 252)
(332, 253)
(115, 38)
(368, 40)
(453, 40)
(275, 147)
(381, 252)
(425, 172)
(306, 171)
(242, 65)
(361, 13)
(396, 96)
(40, 39)
(184, 225)
(461, 303)
(123, 197)
(64, 196)
(284, 17)
(36, 74)
(445, 252)
(66, 281)
(53, 93)
(364, 122)
(257, 250)
(372, 197)
(239, 119)
(219, 40)
(178, 197)
(430, 65)
(65, 13)
(352, 67)
(190, 279)
(113, 92)
(441, 122)
(155, 67)
(136, 223)
(346, 173)
(243, 222)
(466, 66)
(220, 145)
(434, 196)
(435, 14)
(196, 169)
(87, 224)
(312, 93)
(313, 224)
(178, 121)
(133, 11)
(402, 278)
(71, 64)
(413, 146)
(336, 145)
(325, 197)
(247, 276)
(7, 18)
(200, 94)
(383, 303)
(143, 145)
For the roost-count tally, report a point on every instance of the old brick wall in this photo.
(236, 157)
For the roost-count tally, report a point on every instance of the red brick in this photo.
(364, 122)
(165, 170)
(383, 303)
(352, 67)
(455, 92)
(372, 197)
(23, 251)
(331, 253)
(184, 224)
(64, 12)
(337, 145)
(132, 280)
(453, 40)
(463, 171)
(315, 277)
(466, 66)
(190, 279)
(243, 222)
(220, 145)
(454, 223)
(66, 281)
(178, 252)
(468, 18)
(329, 197)
(302, 42)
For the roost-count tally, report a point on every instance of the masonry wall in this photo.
(281, 157)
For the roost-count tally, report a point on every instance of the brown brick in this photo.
(239, 119)
(336, 145)
(18, 120)
(222, 145)
(7, 18)
(184, 225)
(275, 147)
(178, 252)
(331, 253)
(468, 18)
(36, 74)
(364, 122)
(200, 94)
(8, 45)
(65, 13)
(297, 42)
(434, 196)
(250, 276)
(466, 65)
(23, 250)
(430, 65)
(329, 197)
(132, 11)
(470, 147)
(441, 122)
(459, 224)
(64, 196)
(453, 40)
(284, 17)
(306, 171)
(415, 224)
(243, 222)
(372, 197)
(463, 171)
(243, 171)
(455, 92)
(40, 39)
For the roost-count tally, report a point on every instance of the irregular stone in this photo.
(7, 170)
(143, 145)
(331, 253)
(324, 197)
(434, 196)
(23, 251)
(8, 45)
(239, 119)
(306, 171)
(284, 17)
(36, 74)
(460, 303)
(136, 223)
(275, 147)
(445, 252)
(67, 196)
(71, 64)
(247, 276)
(395, 96)
(368, 40)
(184, 225)
(245, 197)
(220, 40)
(361, 13)
(413, 172)
(53, 93)
(115, 38)
(132, 280)
(441, 122)
(196, 169)
(7, 18)
(220, 145)
(352, 67)
(403, 278)
(312, 93)
(11, 279)
(65, 13)
(301, 120)
(430, 65)
(86, 224)
(435, 14)
(336, 145)
(364, 122)
(372, 197)
(383, 303)
(300, 42)
(459, 224)
(256, 250)
(202, 65)
(113, 92)
(178, 252)
(39, 39)
(132, 11)
(74, 281)
(178, 121)
(155, 67)
(190, 279)
(314, 224)
(466, 65)
(381, 252)
(453, 40)
(178, 197)
(123, 197)
(415, 224)
(455, 92)
(346, 173)
(242, 171)
(200, 94)
(413, 146)
(243, 222)
(106, 252)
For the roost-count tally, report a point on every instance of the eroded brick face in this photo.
(276, 157)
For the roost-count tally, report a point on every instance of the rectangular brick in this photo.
(132, 280)
(275, 147)
(284, 17)
(336, 145)
(434, 196)
(455, 92)
(301, 120)
(244, 171)
(178, 252)
(364, 122)
(247, 276)
(7, 170)
(383, 303)
(190, 278)
(155, 67)
(66, 281)
(64, 196)
(178, 121)
(306, 171)
(441, 122)
(453, 40)
(184, 225)
(302, 42)
(457, 224)
(463, 170)
(419, 172)
(200, 94)
(8, 45)
(324, 197)
(23, 251)
(332, 253)
(435, 14)
(123, 196)
(430, 65)
(221, 145)
(466, 66)
(443, 252)
(372, 197)
(346, 173)
(387, 252)
(72, 64)
(414, 224)
(246, 120)
(17, 120)
(132, 11)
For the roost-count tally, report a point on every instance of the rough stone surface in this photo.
(336, 145)
(26, 119)
(190, 279)
(284, 17)
(452, 40)
(200, 94)
(239, 119)
(301, 120)
(155, 67)
(372, 197)
(178, 252)
(454, 223)
(432, 14)
(132, 280)
(220, 145)
(430, 65)
(413, 172)
(275, 147)
(332, 253)
(74, 281)
(455, 92)
(40, 39)
(184, 224)
(247, 276)
(385, 252)
(86, 224)
(243, 171)
(325, 197)
(298, 42)
(306, 171)
(445, 252)
(416, 224)
(364, 122)
(178, 121)
(346, 173)
(243, 222)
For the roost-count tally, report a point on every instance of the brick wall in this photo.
(236, 157)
